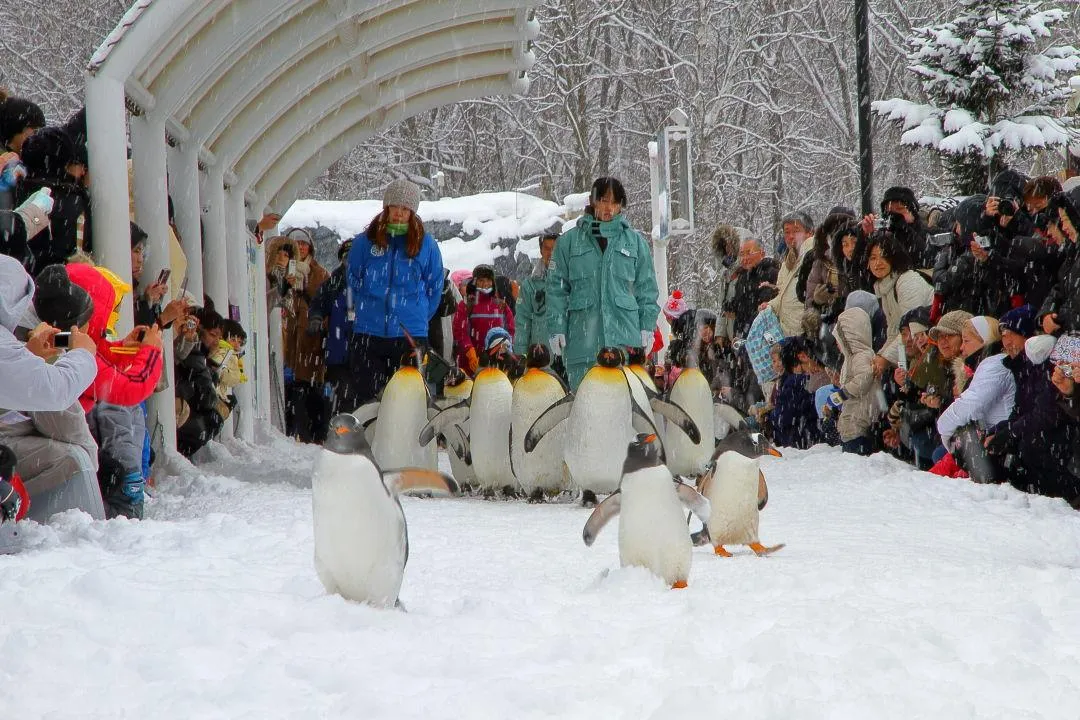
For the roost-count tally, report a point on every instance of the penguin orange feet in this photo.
(761, 551)
(719, 550)
(679, 585)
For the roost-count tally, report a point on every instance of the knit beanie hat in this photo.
(402, 193)
(951, 323)
(484, 271)
(496, 336)
(300, 235)
(460, 277)
(1038, 348)
(675, 306)
(60, 302)
(917, 320)
(900, 194)
(1020, 320)
(986, 327)
(1066, 350)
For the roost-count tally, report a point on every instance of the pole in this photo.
(866, 161)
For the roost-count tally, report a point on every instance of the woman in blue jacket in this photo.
(395, 276)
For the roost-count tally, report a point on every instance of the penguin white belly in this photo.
(489, 422)
(691, 392)
(361, 541)
(542, 468)
(652, 525)
(403, 412)
(598, 431)
(733, 498)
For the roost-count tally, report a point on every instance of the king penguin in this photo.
(649, 501)
(692, 393)
(456, 388)
(736, 489)
(361, 539)
(605, 413)
(541, 472)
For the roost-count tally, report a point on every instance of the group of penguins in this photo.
(615, 436)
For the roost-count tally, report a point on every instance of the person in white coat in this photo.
(900, 289)
(799, 240)
(987, 400)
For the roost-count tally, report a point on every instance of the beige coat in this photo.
(855, 338)
(786, 304)
(900, 294)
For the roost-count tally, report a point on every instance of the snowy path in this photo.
(899, 595)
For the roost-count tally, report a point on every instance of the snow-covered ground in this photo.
(899, 595)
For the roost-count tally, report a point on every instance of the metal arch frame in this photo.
(219, 78)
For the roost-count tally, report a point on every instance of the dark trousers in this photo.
(372, 361)
(306, 411)
(337, 380)
(860, 445)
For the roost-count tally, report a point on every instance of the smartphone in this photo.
(62, 340)
(292, 267)
(983, 241)
(141, 336)
(183, 286)
(163, 276)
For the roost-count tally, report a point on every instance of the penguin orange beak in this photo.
(342, 430)
(774, 452)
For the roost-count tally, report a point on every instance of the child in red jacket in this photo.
(128, 372)
(481, 311)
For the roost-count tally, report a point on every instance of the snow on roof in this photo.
(490, 216)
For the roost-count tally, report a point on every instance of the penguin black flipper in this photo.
(547, 421)
(458, 441)
(420, 481)
(367, 413)
(600, 517)
(697, 503)
(440, 424)
(763, 492)
(675, 414)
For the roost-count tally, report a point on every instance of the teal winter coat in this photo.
(530, 315)
(600, 299)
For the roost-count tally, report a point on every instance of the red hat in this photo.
(675, 305)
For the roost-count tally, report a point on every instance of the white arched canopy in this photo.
(237, 105)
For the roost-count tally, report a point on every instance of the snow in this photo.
(899, 595)
(492, 216)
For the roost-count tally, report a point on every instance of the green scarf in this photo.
(397, 229)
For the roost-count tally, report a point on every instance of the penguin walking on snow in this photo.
(649, 502)
(736, 490)
(541, 472)
(692, 393)
(361, 539)
(606, 412)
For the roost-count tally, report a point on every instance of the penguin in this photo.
(725, 420)
(602, 415)
(649, 501)
(636, 363)
(488, 414)
(456, 388)
(541, 472)
(361, 538)
(692, 393)
(736, 490)
(396, 419)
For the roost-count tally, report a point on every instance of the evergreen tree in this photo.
(995, 83)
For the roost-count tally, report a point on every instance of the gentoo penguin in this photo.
(542, 471)
(401, 411)
(650, 501)
(488, 413)
(736, 489)
(602, 415)
(692, 393)
(457, 387)
(361, 540)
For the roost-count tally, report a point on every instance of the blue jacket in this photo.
(390, 289)
(332, 303)
(793, 417)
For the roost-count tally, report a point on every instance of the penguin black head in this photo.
(642, 453)
(747, 443)
(636, 356)
(455, 377)
(609, 357)
(539, 356)
(346, 436)
(410, 359)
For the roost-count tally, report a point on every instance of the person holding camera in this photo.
(1060, 312)
(978, 279)
(900, 216)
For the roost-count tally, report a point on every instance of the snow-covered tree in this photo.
(995, 82)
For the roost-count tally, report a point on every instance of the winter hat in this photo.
(916, 320)
(496, 336)
(1038, 348)
(900, 194)
(47, 153)
(300, 235)
(951, 323)
(460, 277)
(867, 301)
(1066, 350)
(986, 328)
(800, 216)
(1009, 183)
(483, 271)
(843, 210)
(17, 114)
(402, 193)
(1019, 320)
(60, 302)
(1071, 184)
(675, 306)
(969, 213)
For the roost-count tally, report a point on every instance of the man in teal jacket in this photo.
(601, 288)
(531, 314)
